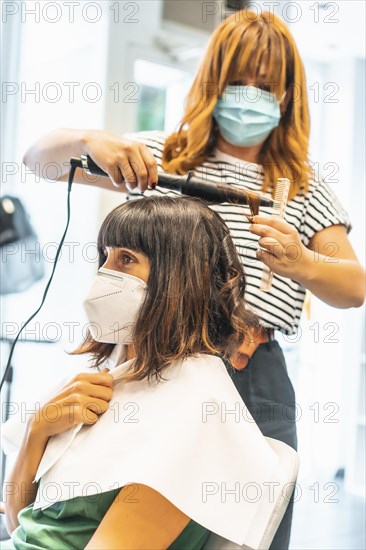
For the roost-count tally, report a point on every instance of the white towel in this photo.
(191, 438)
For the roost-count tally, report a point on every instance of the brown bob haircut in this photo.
(195, 292)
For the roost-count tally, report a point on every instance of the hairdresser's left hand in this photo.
(281, 247)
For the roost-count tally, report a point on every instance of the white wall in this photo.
(52, 54)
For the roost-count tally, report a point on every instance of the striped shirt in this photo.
(310, 212)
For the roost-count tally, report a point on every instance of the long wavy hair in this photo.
(195, 292)
(240, 46)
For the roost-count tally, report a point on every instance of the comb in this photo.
(279, 207)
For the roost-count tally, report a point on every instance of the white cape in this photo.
(191, 438)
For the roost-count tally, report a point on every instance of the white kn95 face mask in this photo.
(112, 305)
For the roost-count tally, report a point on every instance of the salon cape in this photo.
(191, 438)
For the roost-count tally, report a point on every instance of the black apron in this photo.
(267, 391)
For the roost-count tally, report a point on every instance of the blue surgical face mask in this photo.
(246, 115)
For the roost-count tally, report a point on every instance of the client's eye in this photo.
(127, 259)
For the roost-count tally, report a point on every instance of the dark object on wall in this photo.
(237, 5)
(21, 259)
(200, 15)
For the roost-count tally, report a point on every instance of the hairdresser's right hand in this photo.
(124, 160)
(82, 400)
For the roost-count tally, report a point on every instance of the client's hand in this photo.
(82, 399)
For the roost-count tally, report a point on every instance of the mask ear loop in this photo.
(282, 104)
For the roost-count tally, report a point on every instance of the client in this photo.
(140, 456)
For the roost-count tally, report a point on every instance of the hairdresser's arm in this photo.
(139, 519)
(328, 267)
(124, 160)
(82, 399)
(332, 271)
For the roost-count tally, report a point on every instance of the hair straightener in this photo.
(192, 186)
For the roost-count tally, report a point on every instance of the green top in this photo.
(71, 524)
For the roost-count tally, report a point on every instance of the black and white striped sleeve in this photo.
(323, 209)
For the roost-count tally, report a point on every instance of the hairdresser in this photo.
(246, 122)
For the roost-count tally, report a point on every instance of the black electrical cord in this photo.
(71, 177)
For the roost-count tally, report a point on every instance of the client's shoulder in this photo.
(204, 360)
(203, 366)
